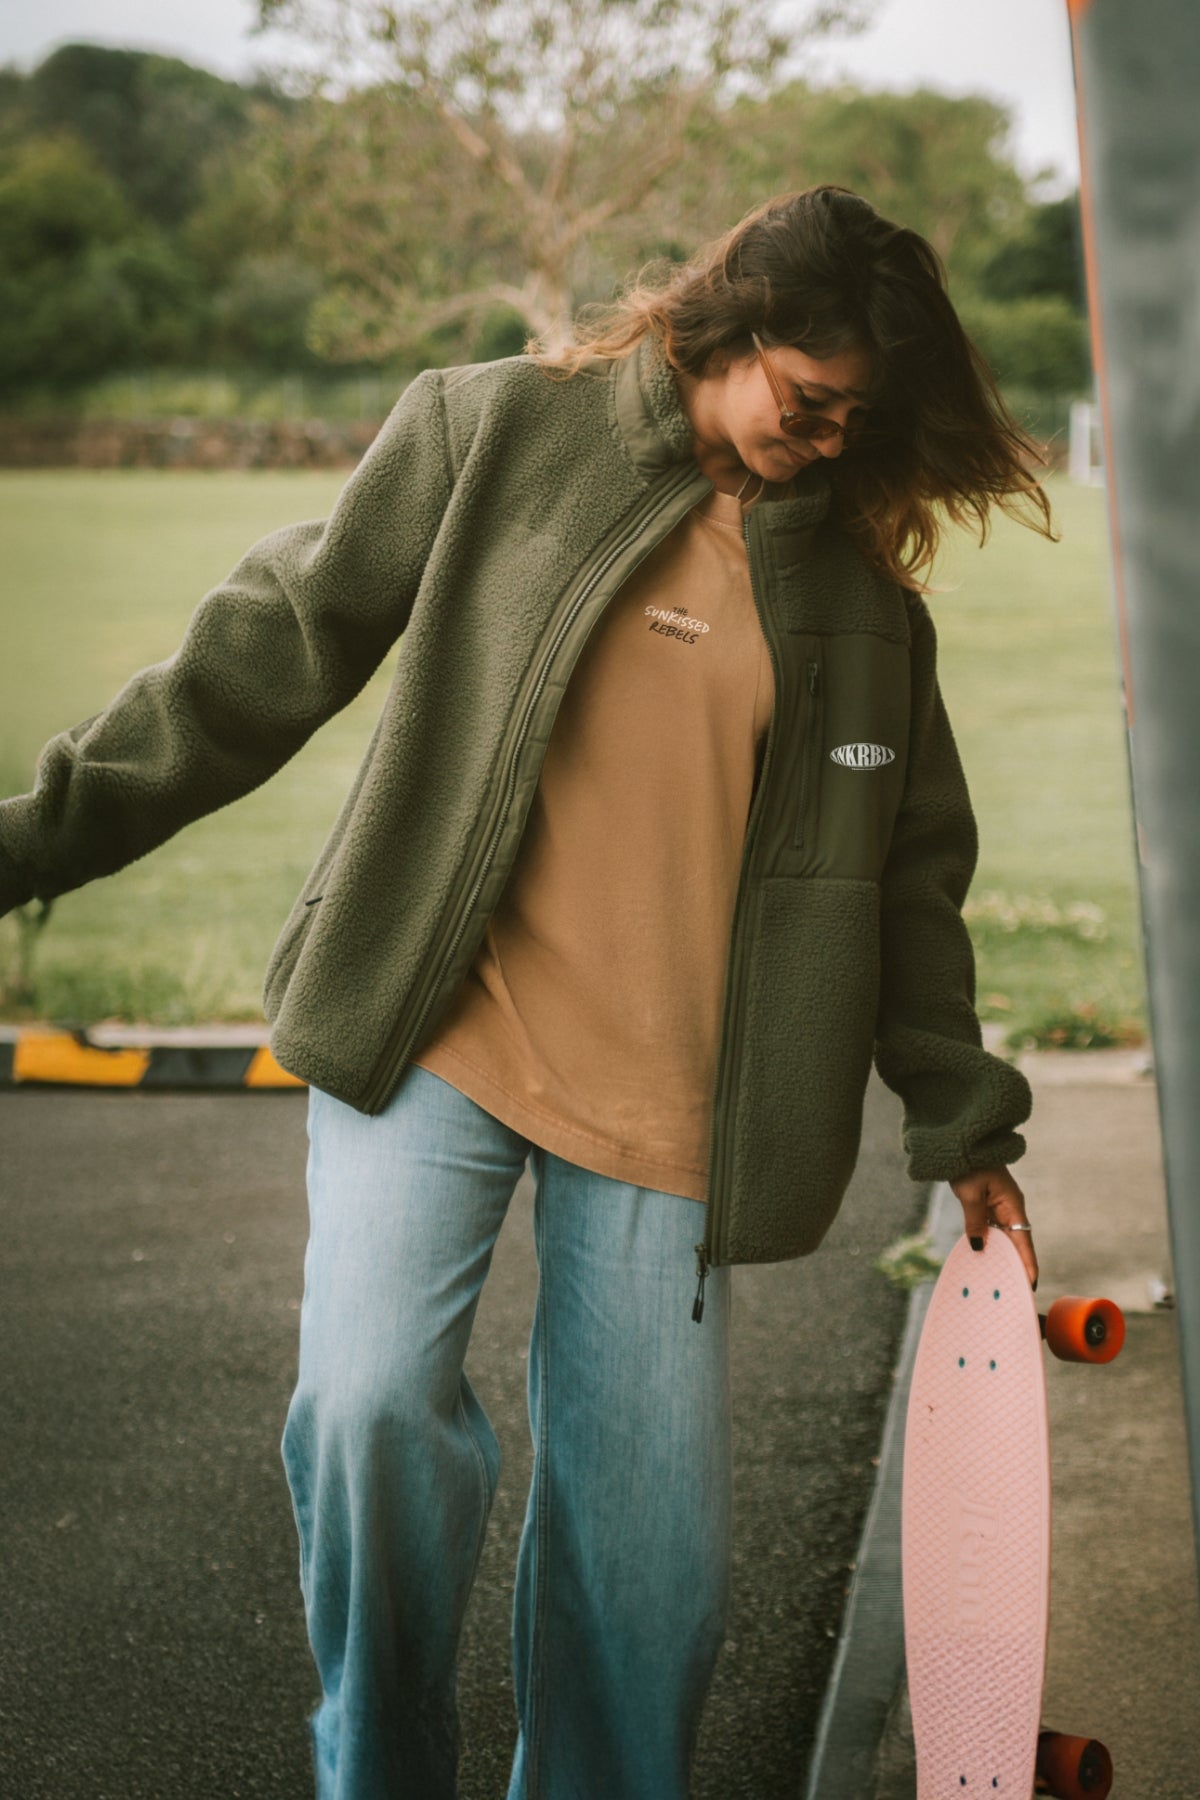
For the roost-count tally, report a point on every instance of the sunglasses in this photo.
(812, 425)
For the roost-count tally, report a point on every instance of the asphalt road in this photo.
(151, 1632)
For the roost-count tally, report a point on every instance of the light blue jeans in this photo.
(623, 1570)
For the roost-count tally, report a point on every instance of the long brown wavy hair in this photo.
(822, 271)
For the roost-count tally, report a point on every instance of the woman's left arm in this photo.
(961, 1104)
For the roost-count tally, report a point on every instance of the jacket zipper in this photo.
(806, 782)
(708, 1251)
(401, 1047)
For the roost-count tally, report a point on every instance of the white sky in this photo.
(1017, 51)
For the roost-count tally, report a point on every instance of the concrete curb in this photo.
(233, 1057)
(868, 1669)
(218, 1058)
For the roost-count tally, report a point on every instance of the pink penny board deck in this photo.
(976, 1530)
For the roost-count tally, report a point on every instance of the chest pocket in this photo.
(865, 751)
(846, 755)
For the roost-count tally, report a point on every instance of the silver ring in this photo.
(1001, 1227)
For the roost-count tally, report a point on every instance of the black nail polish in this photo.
(977, 1243)
(1035, 1287)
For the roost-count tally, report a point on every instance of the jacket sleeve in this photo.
(961, 1105)
(270, 654)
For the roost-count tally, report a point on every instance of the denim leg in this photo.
(623, 1574)
(391, 1461)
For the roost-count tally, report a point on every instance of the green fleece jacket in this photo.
(494, 517)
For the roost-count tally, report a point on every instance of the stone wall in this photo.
(205, 444)
(182, 443)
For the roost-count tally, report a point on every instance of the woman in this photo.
(660, 837)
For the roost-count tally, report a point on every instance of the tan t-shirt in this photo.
(590, 1019)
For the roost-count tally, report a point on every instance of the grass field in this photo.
(1030, 672)
(103, 569)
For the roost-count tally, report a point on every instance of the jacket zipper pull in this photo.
(702, 1270)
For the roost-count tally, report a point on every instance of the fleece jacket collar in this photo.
(657, 433)
(649, 416)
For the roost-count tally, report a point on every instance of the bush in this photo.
(1077, 1025)
(55, 205)
(261, 317)
(1038, 342)
(85, 287)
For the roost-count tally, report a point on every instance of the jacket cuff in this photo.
(930, 1160)
(962, 1105)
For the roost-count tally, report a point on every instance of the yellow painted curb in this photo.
(59, 1057)
(264, 1071)
(56, 1058)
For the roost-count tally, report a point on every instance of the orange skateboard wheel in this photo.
(1073, 1768)
(1079, 1330)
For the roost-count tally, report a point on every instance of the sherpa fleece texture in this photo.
(467, 533)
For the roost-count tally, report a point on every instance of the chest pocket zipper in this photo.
(810, 773)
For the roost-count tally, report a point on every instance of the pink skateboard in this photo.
(976, 1532)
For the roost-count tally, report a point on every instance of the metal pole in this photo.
(1137, 64)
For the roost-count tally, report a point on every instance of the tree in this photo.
(1028, 314)
(261, 314)
(374, 192)
(130, 230)
(85, 285)
(151, 122)
(54, 204)
(406, 220)
(1043, 257)
(1038, 342)
(59, 218)
(936, 162)
(532, 126)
